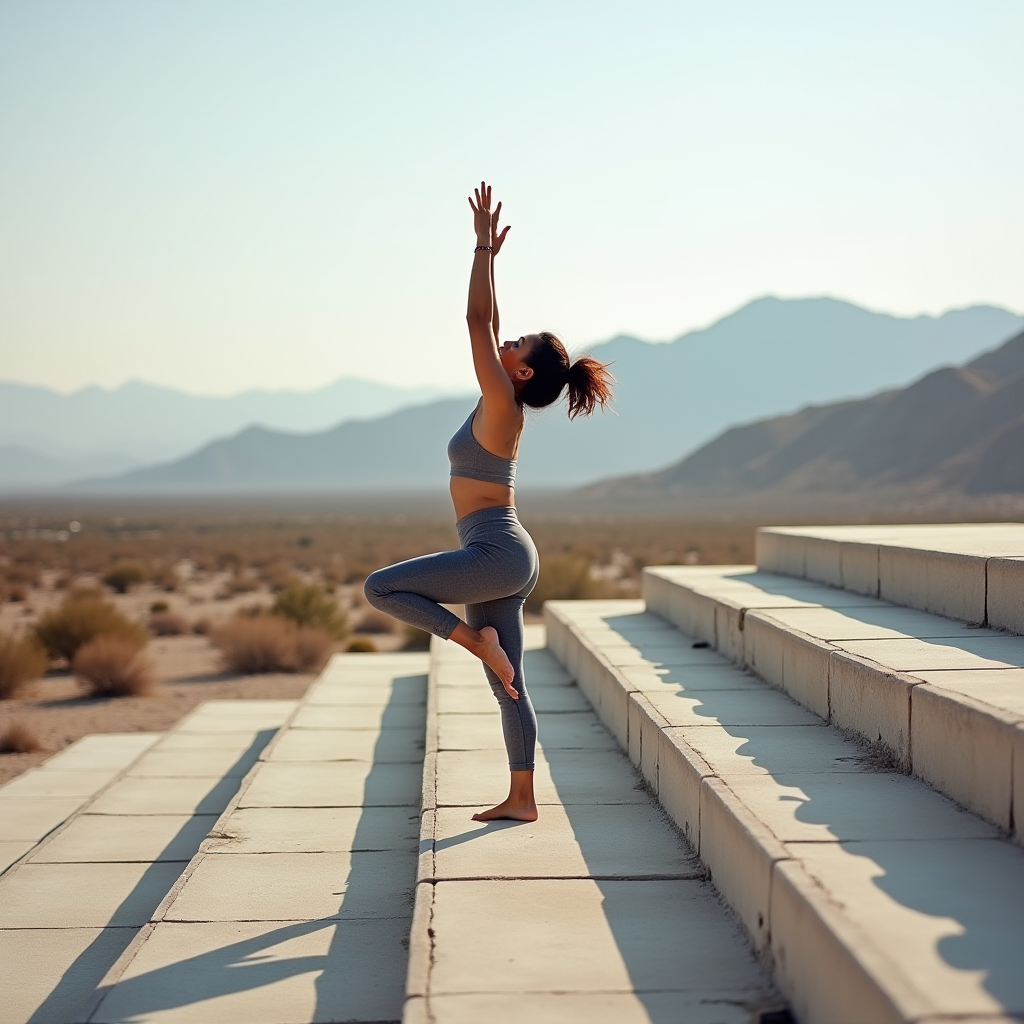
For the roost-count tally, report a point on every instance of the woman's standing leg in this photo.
(518, 718)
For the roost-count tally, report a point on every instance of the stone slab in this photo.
(349, 695)
(856, 807)
(140, 838)
(57, 970)
(166, 796)
(10, 851)
(43, 783)
(317, 716)
(1001, 688)
(238, 740)
(338, 784)
(264, 973)
(1005, 595)
(697, 1007)
(479, 778)
(763, 707)
(317, 829)
(689, 678)
(777, 749)
(583, 935)
(199, 764)
(623, 840)
(954, 934)
(571, 731)
(102, 750)
(297, 887)
(883, 622)
(235, 709)
(914, 655)
(26, 819)
(37, 895)
(389, 746)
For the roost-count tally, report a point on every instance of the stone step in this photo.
(597, 912)
(43, 798)
(297, 907)
(70, 908)
(942, 699)
(873, 897)
(970, 571)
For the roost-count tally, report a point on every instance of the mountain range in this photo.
(47, 437)
(957, 430)
(767, 358)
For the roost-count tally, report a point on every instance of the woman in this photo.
(496, 566)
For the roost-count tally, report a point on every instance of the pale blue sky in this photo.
(218, 195)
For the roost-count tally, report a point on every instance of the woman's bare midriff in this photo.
(472, 495)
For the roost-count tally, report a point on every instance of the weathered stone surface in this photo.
(141, 838)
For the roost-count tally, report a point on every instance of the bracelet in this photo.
(484, 248)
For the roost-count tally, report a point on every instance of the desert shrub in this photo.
(18, 738)
(312, 649)
(159, 606)
(564, 578)
(307, 604)
(112, 666)
(374, 621)
(202, 627)
(269, 643)
(167, 624)
(166, 578)
(278, 575)
(361, 645)
(22, 659)
(81, 617)
(16, 592)
(416, 639)
(125, 575)
(242, 583)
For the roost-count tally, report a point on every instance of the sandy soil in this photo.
(188, 671)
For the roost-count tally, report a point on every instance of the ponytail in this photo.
(590, 385)
(588, 381)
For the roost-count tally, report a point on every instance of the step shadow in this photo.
(361, 976)
(87, 971)
(954, 881)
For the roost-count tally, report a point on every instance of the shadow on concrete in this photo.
(361, 976)
(91, 965)
(960, 882)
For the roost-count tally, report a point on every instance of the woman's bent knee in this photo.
(374, 589)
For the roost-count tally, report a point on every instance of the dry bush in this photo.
(269, 643)
(307, 604)
(112, 666)
(17, 592)
(202, 627)
(361, 645)
(81, 618)
(564, 578)
(22, 659)
(312, 649)
(159, 606)
(374, 621)
(18, 738)
(167, 624)
(166, 578)
(416, 639)
(242, 583)
(123, 576)
(278, 575)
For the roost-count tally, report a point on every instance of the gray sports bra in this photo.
(471, 459)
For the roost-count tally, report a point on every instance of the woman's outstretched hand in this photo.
(485, 221)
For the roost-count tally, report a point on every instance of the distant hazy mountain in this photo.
(769, 357)
(142, 423)
(25, 468)
(957, 430)
(405, 450)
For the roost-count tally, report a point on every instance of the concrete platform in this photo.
(297, 908)
(597, 911)
(89, 886)
(970, 571)
(940, 697)
(874, 897)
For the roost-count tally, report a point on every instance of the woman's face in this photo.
(515, 353)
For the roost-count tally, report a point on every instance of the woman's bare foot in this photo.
(491, 654)
(487, 647)
(509, 811)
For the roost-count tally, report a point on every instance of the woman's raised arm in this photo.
(482, 310)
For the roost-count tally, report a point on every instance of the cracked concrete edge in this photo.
(82, 807)
(421, 933)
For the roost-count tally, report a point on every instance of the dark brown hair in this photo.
(588, 381)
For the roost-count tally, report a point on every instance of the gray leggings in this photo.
(491, 574)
